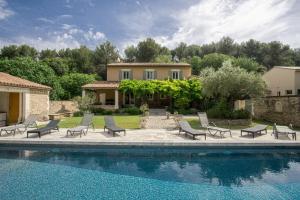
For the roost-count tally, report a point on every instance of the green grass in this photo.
(129, 122)
(195, 124)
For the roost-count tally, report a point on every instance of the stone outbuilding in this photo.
(20, 97)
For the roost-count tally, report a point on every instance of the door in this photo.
(102, 98)
(14, 107)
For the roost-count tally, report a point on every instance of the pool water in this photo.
(223, 174)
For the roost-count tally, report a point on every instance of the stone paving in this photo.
(145, 135)
(157, 119)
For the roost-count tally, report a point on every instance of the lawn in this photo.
(128, 122)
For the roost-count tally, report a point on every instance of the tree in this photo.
(59, 65)
(14, 51)
(163, 59)
(104, 54)
(231, 83)
(297, 57)
(179, 51)
(195, 63)
(73, 82)
(227, 46)
(48, 53)
(214, 60)
(252, 49)
(248, 64)
(130, 54)
(33, 70)
(82, 60)
(147, 50)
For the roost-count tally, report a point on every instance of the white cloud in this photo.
(65, 16)
(208, 21)
(46, 20)
(91, 35)
(4, 11)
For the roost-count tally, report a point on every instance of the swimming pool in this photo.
(149, 174)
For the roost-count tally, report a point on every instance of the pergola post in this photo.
(116, 99)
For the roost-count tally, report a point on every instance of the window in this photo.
(289, 92)
(150, 74)
(175, 74)
(162, 96)
(149, 96)
(278, 93)
(125, 74)
(298, 91)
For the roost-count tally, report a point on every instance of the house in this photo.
(283, 81)
(20, 97)
(107, 94)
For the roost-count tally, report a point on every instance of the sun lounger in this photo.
(258, 129)
(185, 127)
(30, 121)
(111, 126)
(85, 124)
(52, 125)
(213, 130)
(284, 130)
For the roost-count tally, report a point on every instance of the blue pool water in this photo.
(222, 174)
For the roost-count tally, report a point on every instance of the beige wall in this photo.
(138, 72)
(63, 106)
(39, 103)
(4, 102)
(280, 79)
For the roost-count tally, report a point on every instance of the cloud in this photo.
(65, 16)
(4, 11)
(91, 35)
(46, 20)
(208, 21)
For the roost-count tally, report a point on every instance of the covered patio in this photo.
(106, 93)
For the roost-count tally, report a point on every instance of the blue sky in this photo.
(57, 24)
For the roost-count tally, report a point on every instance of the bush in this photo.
(131, 110)
(78, 114)
(188, 111)
(96, 110)
(182, 102)
(223, 111)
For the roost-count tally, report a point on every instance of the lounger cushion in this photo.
(256, 128)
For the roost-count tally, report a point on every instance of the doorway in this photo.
(14, 107)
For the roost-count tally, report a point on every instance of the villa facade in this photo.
(283, 81)
(108, 96)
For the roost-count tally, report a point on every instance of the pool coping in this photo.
(95, 144)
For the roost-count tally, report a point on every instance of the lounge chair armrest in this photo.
(212, 123)
(291, 126)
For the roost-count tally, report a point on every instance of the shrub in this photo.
(131, 110)
(97, 110)
(182, 102)
(222, 110)
(78, 114)
(241, 114)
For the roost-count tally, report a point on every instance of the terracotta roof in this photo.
(13, 81)
(102, 85)
(149, 64)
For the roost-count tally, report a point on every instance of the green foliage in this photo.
(59, 65)
(131, 110)
(130, 53)
(182, 91)
(214, 60)
(32, 70)
(248, 64)
(163, 59)
(223, 111)
(14, 51)
(85, 102)
(72, 83)
(147, 50)
(232, 83)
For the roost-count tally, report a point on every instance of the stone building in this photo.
(20, 97)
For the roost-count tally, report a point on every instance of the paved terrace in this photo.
(148, 137)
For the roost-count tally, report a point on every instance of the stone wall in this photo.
(281, 110)
(63, 106)
(39, 103)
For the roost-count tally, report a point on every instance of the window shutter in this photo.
(180, 75)
(170, 74)
(120, 75)
(130, 75)
(155, 75)
(145, 75)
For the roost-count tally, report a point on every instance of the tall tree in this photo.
(147, 50)
(104, 54)
(130, 53)
(48, 53)
(180, 50)
(227, 46)
(13, 51)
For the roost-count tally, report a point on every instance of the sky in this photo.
(58, 24)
